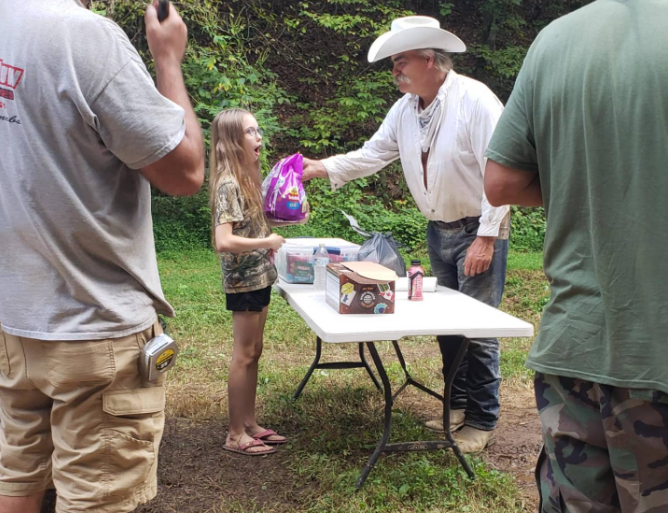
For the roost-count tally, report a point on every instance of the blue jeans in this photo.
(476, 385)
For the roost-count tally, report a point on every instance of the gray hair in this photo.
(442, 60)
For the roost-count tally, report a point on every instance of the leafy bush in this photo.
(185, 222)
(301, 68)
(181, 222)
(528, 229)
(404, 220)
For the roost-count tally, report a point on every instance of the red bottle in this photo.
(415, 276)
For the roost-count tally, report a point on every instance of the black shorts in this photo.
(253, 301)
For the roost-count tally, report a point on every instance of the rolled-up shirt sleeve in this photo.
(379, 151)
(485, 116)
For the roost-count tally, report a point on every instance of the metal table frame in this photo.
(383, 445)
(467, 318)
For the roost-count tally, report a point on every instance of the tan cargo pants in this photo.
(78, 414)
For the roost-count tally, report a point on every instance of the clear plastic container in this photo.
(321, 259)
(295, 260)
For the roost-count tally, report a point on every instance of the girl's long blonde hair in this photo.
(228, 159)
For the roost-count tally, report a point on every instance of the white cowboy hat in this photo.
(414, 33)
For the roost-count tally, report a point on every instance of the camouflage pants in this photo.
(606, 448)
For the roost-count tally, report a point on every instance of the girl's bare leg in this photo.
(250, 423)
(242, 381)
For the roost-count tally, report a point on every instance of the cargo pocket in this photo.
(4, 356)
(79, 363)
(134, 428)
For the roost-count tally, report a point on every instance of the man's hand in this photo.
(479, 256)
(167, 40)
(313, 169)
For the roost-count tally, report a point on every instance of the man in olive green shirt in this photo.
(585, 133)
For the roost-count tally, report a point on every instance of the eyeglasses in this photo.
(253, 132)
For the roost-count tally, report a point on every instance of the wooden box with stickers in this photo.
(360, 288)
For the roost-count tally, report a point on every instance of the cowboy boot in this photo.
(456, 421)
(471, 440)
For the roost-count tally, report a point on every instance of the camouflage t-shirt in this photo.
(251, 270)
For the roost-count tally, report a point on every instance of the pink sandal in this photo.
(245, 448)
(263, 436)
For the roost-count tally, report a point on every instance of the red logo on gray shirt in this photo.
(10, 76)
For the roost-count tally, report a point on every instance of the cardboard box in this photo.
(360, 288)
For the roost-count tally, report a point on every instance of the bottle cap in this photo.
(415, 261)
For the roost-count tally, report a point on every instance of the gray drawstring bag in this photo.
(379, 247)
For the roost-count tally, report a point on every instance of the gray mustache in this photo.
(401, 79)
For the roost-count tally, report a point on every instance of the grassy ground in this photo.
(334, 426)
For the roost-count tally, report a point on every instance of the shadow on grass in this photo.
(332, 433)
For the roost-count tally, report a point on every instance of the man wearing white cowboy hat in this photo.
(440, 130)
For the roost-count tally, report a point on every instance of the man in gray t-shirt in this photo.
(84, 133)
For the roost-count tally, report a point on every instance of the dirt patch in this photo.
(197, 475)
(517, 442)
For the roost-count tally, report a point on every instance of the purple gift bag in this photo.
(283, 191)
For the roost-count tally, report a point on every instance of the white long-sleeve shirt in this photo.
(456, 163)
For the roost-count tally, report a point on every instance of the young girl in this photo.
(242, 236)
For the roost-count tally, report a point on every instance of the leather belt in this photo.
(459, 223)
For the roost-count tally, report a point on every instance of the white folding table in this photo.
(444, 312)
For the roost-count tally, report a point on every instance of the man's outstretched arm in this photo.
(379, 151)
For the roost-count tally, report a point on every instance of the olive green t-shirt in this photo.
(589, 113)
(250, 270)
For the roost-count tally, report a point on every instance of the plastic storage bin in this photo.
(294, 261)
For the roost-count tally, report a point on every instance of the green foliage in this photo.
(445, 8)
(301, 68)
(404, 220)
(335, 124)
(505, 63)
(501, 65)
(181, 222)
(185, 222)
(368, 18)
(528, 228)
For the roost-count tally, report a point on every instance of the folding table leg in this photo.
(366, 366)
(409, 378)
(450, 378)
(318, 351)
(387, 392)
